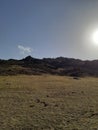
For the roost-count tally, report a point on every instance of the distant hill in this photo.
(56, 66)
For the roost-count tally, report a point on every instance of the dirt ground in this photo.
(48, 102)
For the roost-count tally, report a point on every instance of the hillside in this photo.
(56, 66)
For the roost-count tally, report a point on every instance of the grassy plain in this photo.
(48, 102)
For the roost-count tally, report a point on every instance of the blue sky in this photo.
(48, 28)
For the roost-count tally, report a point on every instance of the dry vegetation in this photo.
(48, 103)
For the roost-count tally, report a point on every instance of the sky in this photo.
(48, 28)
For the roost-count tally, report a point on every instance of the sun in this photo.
(95, 37)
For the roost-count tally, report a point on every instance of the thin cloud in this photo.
(24, 50)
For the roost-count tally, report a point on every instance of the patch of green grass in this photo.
(48, 102)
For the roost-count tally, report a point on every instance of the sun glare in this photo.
(95, 37)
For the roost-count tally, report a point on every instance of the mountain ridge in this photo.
(57, 66)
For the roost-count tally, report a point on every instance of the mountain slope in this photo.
(58, 66)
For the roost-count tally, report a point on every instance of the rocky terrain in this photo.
(55, 66)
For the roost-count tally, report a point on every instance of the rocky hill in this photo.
(56, 66)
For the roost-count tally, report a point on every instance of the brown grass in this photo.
(48, 103)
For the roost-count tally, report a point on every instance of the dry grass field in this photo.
(48, 103)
